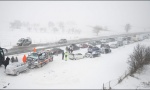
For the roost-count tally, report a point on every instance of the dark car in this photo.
(105, 48)
(2, 55)
(56, 51)
(75, 47)
(111, 39)
(84, 45)
(93, 52)
(61, 41)
(24, 41)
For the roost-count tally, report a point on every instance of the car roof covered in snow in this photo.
(15, 64)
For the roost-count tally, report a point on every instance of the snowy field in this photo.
(88, 73)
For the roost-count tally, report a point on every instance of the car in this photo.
(16, 68)
(120, 43)
(3, 51)
(75, 47)
(84, 45)
(61, 41)
(92, 43)
(24, 41)
(111, 40)
(39, 59)
(98, 42)
(105, 48)
(113, 45)
(76, 56)
(93, 52)
(104, 40)
(56, 51)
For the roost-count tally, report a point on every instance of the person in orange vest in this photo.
(24, 59)
(34, 50)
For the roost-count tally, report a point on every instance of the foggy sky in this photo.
(113, 14)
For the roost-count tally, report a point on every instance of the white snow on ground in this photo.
(140, 80)
(88, 73)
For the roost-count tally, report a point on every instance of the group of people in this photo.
(66, 54)
(12, 60)
(69, 49)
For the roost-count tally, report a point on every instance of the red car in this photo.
(83, 45)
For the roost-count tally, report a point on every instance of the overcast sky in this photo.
(113, 14)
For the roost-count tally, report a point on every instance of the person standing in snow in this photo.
(66, 56)
(16, 59)
(6, 62)
(71, 49)
(24, 59)
(12, 59)
(63, 55)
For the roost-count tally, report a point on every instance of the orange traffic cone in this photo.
(34, 50)
(24, 59)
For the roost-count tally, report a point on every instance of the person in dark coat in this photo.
(63, 55)
(6, 62)
(16, 59)
(12, 59)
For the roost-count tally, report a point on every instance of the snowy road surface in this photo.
(88, 73)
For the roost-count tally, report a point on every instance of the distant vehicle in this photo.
(24, 41)
(2, 55)
(56, 51)
(105, 48)
(111, 39)
(98, 42)
(75, 47)
(16, 68)
(104, 40)
(93, 52)
(120, 43)
(76, 56)
(39, 59)
(113, 44)
(83, 45)
(92, 43)
(61, 41)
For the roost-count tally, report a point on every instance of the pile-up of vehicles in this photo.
(34, 60)
(94, 49)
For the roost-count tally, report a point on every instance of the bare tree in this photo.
(55, 29)
(43, 29)
(16, 24)
(97, 29)
(61, 25)
(127, 27)
(51, 24)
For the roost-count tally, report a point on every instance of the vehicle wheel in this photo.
(17, 73)
(39, 65)
(91, 56)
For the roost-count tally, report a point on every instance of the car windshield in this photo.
(34, 55)
(20, 40)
